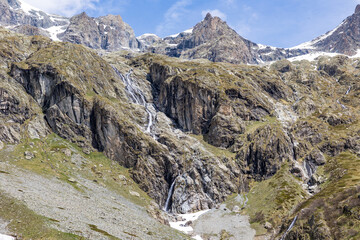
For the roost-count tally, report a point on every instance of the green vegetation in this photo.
(271, 200)
(251, 126)
(51, 160)
(27, 224)
(106, 234)
(337, 206)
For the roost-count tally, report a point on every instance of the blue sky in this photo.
(280, 23)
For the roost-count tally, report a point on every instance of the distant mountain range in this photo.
(210, 39)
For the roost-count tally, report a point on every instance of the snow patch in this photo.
(312, 56)
(172, 45)
(197, 237)
(6, 237)
(187, 217)
(262, 46)
(27, 8)
(54, 31)
(357, 55)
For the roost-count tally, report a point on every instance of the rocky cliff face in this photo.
(108, 33)
(288, 131)
(147, 40)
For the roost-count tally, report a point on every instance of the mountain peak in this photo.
(82, 15)
(357, 9)
(208, 17)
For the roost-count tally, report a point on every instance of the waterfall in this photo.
(136, 96)
(171, 191)
(290, 227)
(308, 169)
(342, 105)
(246, 201)
(347, 92)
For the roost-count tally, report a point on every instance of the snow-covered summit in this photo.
(21, 17)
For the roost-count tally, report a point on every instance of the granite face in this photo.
(109, 33)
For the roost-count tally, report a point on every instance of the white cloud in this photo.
(173, 16)
(63, 7)
(214, 12)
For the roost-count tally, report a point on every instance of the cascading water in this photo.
(308, 169)
(246, 200)
(171, 191)
(290, 227)
(136, 96)
(342, 105)
(347, 92)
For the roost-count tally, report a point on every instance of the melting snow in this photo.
(357, 55)
(54, 31)
(197, 237)
(311, 56)
(262, 46)
(188, 217)
(6, 237)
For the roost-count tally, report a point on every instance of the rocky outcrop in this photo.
(30, 30)
(224, 129)
(146, 40)
(192, 99)
(192, 106)
(269, 54)
(266, 150)
(217, 179)
(108, 33)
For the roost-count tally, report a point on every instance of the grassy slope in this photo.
(51, 161)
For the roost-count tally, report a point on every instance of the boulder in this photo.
(29, 155)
